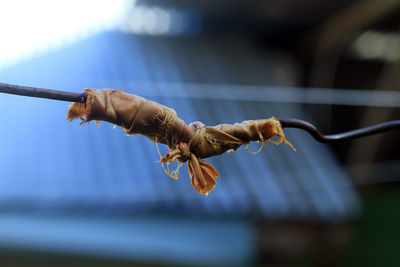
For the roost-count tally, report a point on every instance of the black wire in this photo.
(42, 93)
(286, 123)
(311, 129)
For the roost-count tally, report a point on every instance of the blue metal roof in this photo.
(48, 163)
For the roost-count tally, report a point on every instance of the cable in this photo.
(42, 93)
(317, 135)
(286, 123)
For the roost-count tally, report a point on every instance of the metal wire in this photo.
(314, 132)
(42, 93)
(286, 123)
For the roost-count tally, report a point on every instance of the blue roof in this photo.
(49, 164)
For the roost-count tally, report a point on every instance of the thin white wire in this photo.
(259, 93)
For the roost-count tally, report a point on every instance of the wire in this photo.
(314, 132)
(42, 93)
(286, 123)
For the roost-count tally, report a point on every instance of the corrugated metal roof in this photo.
(47, 163)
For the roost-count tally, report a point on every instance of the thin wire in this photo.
(314, 132)
(286, 123)
(262, 93)
(42, 93)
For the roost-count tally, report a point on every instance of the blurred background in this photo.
(96, 197)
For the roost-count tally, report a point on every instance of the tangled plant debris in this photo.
(187, 143)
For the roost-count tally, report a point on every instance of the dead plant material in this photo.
(191, 143)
